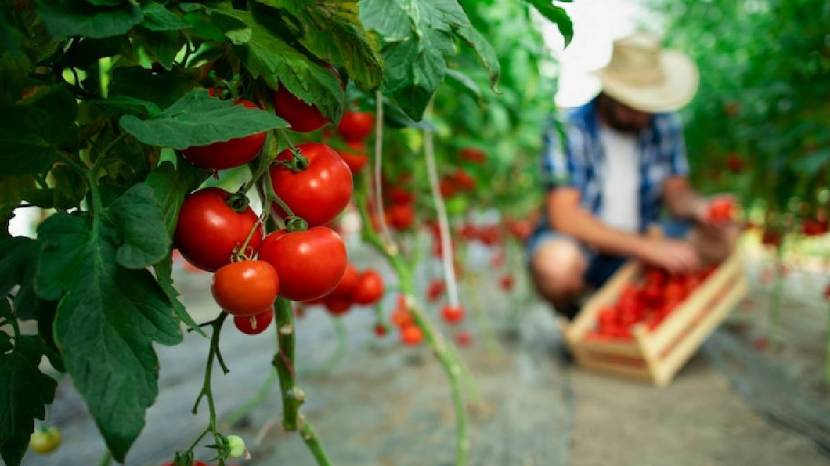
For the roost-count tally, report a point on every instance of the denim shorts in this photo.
(600, 266)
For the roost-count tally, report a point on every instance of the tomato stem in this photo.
(207, 390)
(378, 173)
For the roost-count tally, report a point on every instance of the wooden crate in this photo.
(656, 355)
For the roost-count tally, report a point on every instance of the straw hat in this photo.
(646, 78)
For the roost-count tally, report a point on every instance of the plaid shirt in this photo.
(578, 160)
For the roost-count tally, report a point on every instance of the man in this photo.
(621, 162)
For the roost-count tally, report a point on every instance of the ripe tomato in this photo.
(520, 229)
(435, 290)
(380, 330)
(674, 292)
(399, 195)
(310, 263)
(771, 237)
(401, 317)
(447, 187)
(337, 305)
(452, 314)
(347, 284)
(813, 227)
(472, 154)
(209, 230)
(227, 154)
(356, 126)
(355, 157)
(411, 335)
(255, 324)
(735, 163)
(400, 216)
(506, 282)
(245, 288)
(301, 116)
(463, 338)
(369, 288)
(45, 440)
(463, 181)
(318, 193)
(721, 210)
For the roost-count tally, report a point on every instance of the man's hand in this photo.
(672, 255)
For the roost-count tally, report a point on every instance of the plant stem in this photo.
(292, 396)
(97, 205)
(106, 459)
(311, 440)
(207, 390)
(378, 176)
(446, 357)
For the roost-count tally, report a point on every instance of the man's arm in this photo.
(682, 201)
(567, 216)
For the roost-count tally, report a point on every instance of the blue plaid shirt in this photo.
(579, 160)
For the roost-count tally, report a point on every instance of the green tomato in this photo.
(456, 205)
(45, 440)
(236, 446)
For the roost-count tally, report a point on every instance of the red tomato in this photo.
(735, 163)
(506, 282)
(411, 335)
(318, 193)
(356, 126)
(452, 314)
(310, 263)
(463, 181)
(301, 116)
(520, 229)
(209, 230)
(347, 284)
(472, 154)
(337, 305)
(227, 154)
(255, 324)
(400, 216)
(399, 195)
(435, 290)
(771, 237)
(813, 227)
(607, 318)
(674, 292)
(355, 157)
(447, 187)
(721, 210)
(655, 276)
(380, 330)
(368, 288)
(463, 338)
(245, 288)
(401, 317)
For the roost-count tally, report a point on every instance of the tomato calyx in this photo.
(297, 163)
(238, 201)
(294, 223)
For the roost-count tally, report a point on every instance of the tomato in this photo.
(463, 181)
(520, 229)
(411, 335)
(209, 231)
(310, 263)
(452, 314)
(506, 282)
(227, 154)
(813, 227)
(255, 324)
(236, 446)
(607, 318)
(246, 287)
(356, 126)
(345, 288)
(355, 157)
(401, 317)
(472, 154)
(400, 216)
(369, 288)
(463, 338)
(45, 440)
(720, 210)
(337, 305)
(674, 292)
(435, 290)
(735, 163)
(318, 193)
(447, 187)
(380, 330)
(771, 237)
(301, 116)
(399, 195)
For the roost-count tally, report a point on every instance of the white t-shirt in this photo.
(621, 180)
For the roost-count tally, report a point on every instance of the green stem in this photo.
(106, 460)
(97, 204)
(446, 357)
(207, 390)
(292, 396)
(311, 440)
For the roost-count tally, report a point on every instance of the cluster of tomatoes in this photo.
(306, 261)
(649, 302)
(355, 288)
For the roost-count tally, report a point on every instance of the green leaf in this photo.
(331, 29)
(813, 162)
(107, 320)
(197, 120)
(159, 18)
(18, 257)
(170, 186)
(75, 18)
(127, 104)
(137, 216)
(24, 394)
(164, 275)
(557, 15)
(268, 56)
(163, 87)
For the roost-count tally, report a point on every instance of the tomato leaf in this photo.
(164, 275)
(197, 120)
(137, 216)
(76, 18)
(18, 257)
(331, 30)
(24, 394)
(268, 56)
(107, 319)
(557, 15)
(159, 18)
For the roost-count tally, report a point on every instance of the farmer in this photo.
(620, 164)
